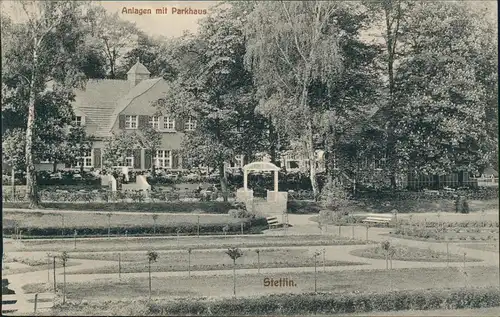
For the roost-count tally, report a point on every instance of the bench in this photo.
(379, 218)
(272, 222)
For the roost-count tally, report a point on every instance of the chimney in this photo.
(137, 73)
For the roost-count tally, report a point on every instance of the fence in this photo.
(486, 181)
(16, 303)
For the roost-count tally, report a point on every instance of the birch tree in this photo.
(292, 45)
(45, 49)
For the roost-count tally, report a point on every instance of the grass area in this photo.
(183, 243)
(212, 207)
(404, 253)
(18, 265)
(253, 284)
(54, 224)
(448, 233)
(403, 206)
(202, 260)
(100, 220)
(492, 247)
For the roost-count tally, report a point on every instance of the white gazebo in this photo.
(260, 167)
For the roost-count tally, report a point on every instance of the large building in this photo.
(108, 106)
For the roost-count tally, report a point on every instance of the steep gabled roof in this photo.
(98, 101)
(135, 92)
(138, 68)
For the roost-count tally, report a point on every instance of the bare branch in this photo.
(296, 40)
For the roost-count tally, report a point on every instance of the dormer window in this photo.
(131, 122)
(190, 125)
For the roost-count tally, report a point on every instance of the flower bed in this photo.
(460, 232)
(403, 253)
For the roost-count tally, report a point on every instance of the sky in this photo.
(161, 24)
(172, 24)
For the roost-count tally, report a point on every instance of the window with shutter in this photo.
(175, 159)
(137, 158)
(97, 158)
(179, 124)
(148, 158)
(121, 122)
(143, 121)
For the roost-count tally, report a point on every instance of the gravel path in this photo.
(301, 226)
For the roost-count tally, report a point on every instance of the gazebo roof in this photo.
(261, 166)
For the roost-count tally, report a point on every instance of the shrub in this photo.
(239, 213)
(212, 207)
(251, 226)
(331, 303)
(303, 207)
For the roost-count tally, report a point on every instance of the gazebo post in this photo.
(276, 182)
(245, 179)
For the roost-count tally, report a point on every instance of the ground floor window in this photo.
(86, 159)
(163, 158)
(129, 161)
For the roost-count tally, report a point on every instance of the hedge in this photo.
(482, 193)
(303, 207)
(329, 303)
(304, 304)
(210, 207)
(252, 226)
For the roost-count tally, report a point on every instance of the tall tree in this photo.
(46, 49)
(389, 16)
(441, 91)
(112, 37)
(214, 88)
(291, 47)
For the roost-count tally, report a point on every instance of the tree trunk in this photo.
(391, 36)
(13, 182)
(312, 163)
(31, 184)
(64, 282)
(234, 277)
(223, 181)
(54, 166)
(272, 142)
(149, 271)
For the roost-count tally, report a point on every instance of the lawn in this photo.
(421, 206)
(57, 224)
(456, 233)
(253, 284)
(18, 265)
(404, 253)
(205, 260)
(100, 220)
(182, 243)
(492, 247)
